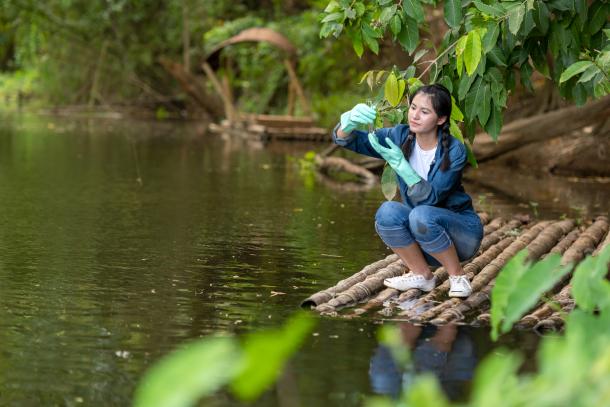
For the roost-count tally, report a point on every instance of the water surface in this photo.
(121, 240)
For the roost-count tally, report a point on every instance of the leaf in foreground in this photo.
(190, 373)
(266, 353)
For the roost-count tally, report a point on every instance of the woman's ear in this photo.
(441, 120)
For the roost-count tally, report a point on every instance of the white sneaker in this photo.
(459, 286)
(410, 280)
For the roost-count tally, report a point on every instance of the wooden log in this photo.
(498, 234)
(326, 164)
(535, 128)
(192, 87)
(326, 295)
(464, 307)
(362, 290)
(492, 226)
(548, 238)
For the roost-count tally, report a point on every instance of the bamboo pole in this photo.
(493, 225)
(329, 293)
(498, 234)
(362, 290)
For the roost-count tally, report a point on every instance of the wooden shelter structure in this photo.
(285, 127)
(502, 240)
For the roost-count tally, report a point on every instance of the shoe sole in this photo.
(405, 289)
(459, 295)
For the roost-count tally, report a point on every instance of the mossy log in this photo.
(586, 242)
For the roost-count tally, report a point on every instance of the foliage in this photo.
(488, 44)
(518, 287)
(201, 368)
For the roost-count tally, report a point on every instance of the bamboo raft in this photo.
(503, 238)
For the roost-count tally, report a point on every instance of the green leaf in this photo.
(395, 24)
(526, 74)
(426, 391)
(475, 98)
(539, 59)
(190, 373)
(491, 10)
(455, 131)
(466, 82)
(388, 183)
(590, 289)
(493, 127)
(266, 352)
(484, 108)
(414, 10)
(542, 17)
(387, 14)
(472, 160)
(333, 17)
(394, 89)
(453, 13)
(519, 286)
(575, 69)
(460, 46)
(370, 42)
(360, 9)
(371, 32)
(495, 380)
(589, 74)
(490, 39)
(515, 18)
(599, 15)
(409, 35)
(332, 6)
(356, 37)
(472, 51)
(456, 113)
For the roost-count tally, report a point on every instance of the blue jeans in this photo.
(434, 229)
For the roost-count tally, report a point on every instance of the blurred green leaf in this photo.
(519, 286)
(453, 12)
(575, 69)
(190, 373)
(590, 288)
(265, 354)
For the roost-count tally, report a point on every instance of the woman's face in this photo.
(421, 115)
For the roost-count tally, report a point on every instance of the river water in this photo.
(121, 240)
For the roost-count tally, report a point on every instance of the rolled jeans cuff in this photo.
(439, 244)
(394, 236)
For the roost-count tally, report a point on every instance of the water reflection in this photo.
(447, 351)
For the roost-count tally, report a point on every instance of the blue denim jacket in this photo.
(442, 188)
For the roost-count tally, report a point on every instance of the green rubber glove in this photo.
(396, 159)
(361, 114)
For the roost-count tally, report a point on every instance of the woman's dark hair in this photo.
(441, 103)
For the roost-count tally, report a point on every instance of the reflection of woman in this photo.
(446, 351)
(435, 216)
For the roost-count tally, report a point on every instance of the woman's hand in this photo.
(361, 114)
(396, 159)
